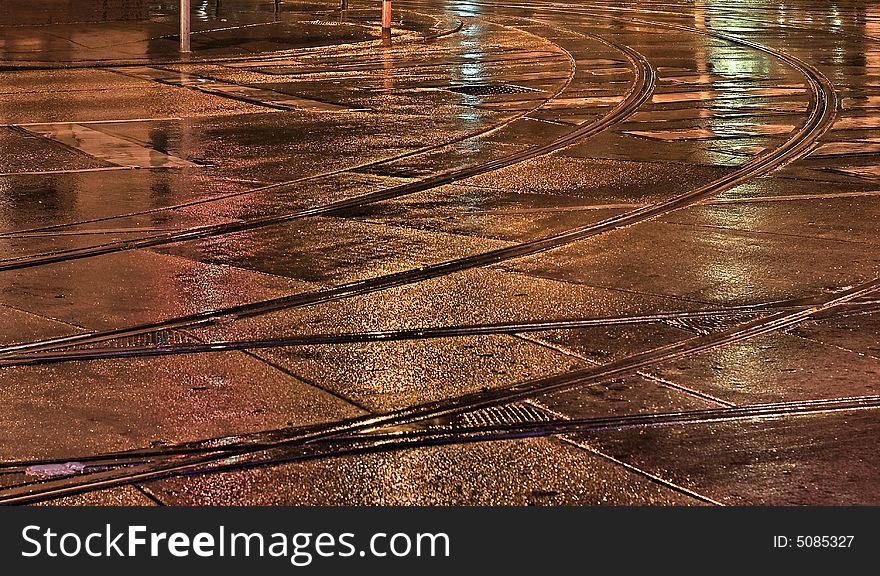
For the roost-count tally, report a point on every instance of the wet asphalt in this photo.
(529, 253)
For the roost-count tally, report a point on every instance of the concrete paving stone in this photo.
(137, 101)
(858, 332)
(811, 218)
(784, 461)
(535, 472)
(604, 344)
(128, 288)
(307, 98)
(63, 199)
(71, 410)
(599, 180)
(331, 251)
(721, 266)
(463, 215)
(22, 151)
(775, 368)
(122, 496)
(289, 198)
(18, 326)
(464, 298)
(625, 396)
(387, 376)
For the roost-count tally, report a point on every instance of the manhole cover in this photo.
(489, 89)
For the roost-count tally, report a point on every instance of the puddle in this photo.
(871, 172)
(260, 96)
(106, 147)
(590, 101)
(683, 134)
(609, 71)
(855, 122)
(702, 79)
(52, 470)
(871, 146)
(672, 97)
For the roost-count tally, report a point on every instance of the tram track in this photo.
(254, 443)
(100, 472)
(311, 178)
(340, 438)
(457, 433)
(819, 119)
(125, 350)
(34, 66)
(638, 93)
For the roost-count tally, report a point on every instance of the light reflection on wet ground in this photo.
(158, 145)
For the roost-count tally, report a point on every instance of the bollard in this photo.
(386, 15)
(386, 22)
(184, 26)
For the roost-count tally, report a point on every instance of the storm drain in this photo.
(707, 324)
(518, 413)
(161, 338)
(489, 89)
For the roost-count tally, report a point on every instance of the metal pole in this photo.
(386, 15)
(184, 26)
(386, 22)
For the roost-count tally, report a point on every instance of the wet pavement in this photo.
(527, 254)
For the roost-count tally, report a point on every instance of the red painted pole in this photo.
(386, 15)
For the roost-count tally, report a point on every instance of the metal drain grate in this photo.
(160, 338)
(707, 324)
(490, 89)
(500, 415)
